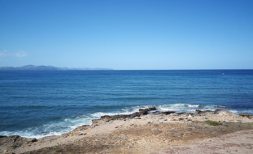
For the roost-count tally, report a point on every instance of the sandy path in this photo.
(234, 143)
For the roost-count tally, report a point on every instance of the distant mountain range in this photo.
(42, 67)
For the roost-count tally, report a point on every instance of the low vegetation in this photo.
(213, 123)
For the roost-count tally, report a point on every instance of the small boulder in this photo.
(146, 110)
(168, 112)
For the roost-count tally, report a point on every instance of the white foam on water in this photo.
(123, 111)
(244, 111)
(187, 107)
(178, 107)
(52, 128)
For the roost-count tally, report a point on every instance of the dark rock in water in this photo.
(146, 110)
(246, 115)
(33, 140)
(205, 111)
(105, 117)
(180, 113)
(2, 136)
(198, 111)
(15, 138)
(133, 115)
(168, 112)
(155, 112)
(136, 114)
(218, 111)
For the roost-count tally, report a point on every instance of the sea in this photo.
(43, 103)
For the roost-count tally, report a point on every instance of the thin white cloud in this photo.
(18, 54)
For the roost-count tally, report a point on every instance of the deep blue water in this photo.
(39, 103)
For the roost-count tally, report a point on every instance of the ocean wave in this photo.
(187, 107)
(52, 128)
(242, 111)
(123, 111)
(68, 124)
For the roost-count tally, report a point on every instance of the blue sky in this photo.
(127, 34)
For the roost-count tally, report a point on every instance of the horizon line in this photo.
(56, 68)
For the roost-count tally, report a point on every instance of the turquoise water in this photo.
(41, 103)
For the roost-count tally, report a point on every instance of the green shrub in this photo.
(213, 123)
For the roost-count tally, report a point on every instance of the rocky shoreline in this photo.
(146, 131)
